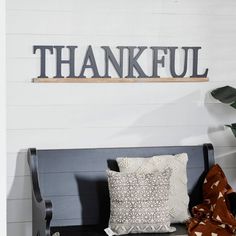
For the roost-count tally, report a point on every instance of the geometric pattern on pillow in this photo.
(178, 199)
(139, 202)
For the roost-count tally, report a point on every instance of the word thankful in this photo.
(159, 59)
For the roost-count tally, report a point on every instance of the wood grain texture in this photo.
(120, 80)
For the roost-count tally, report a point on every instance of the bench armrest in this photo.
(41, 209)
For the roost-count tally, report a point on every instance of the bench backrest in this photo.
(76, 183)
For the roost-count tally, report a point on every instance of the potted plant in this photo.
(226, 94)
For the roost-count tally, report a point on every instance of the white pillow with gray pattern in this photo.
(139, 202)
(179, 199)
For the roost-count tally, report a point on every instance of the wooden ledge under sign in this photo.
(120, 80)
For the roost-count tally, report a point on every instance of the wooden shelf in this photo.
(119, 80)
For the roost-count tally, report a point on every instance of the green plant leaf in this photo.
(226, 94)
(233, 128)
(233, 105)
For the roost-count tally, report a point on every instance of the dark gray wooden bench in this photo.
(70, 191)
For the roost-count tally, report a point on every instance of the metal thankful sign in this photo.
(128, 57)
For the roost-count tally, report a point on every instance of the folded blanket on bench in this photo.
(213, 217)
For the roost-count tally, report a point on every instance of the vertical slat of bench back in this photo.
(75, 180)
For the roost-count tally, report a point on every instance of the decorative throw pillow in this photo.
(139, 202)
(178, 199)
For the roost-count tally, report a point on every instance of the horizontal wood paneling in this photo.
(73, 23)
(17, 164)
(65, 94)
(20, 47)
(77, 183)
(109, 137)
(77, 221)
(226, 156)
(190, 7)
(19, 210)
(76, 116)
(73, 204)
(20, 228)
(19, 187)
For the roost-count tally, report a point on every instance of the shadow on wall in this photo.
(222, 114)
(226, 154)
(227, 159)
(98, 204)
(19, 210)
(163, 126)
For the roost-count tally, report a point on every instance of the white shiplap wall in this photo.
(3, 171)
(104, 115)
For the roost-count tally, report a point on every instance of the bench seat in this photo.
(70, 189)
(91, 230)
